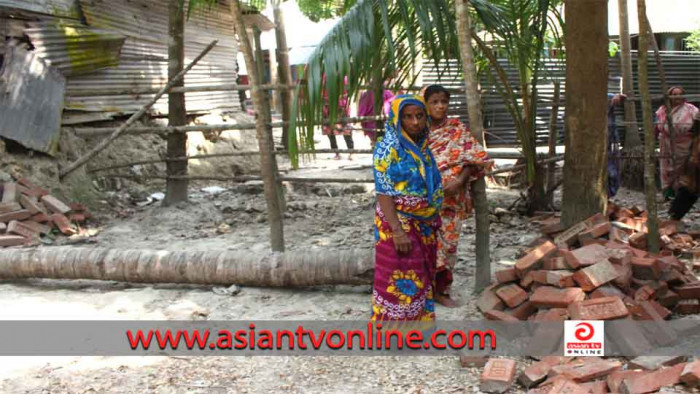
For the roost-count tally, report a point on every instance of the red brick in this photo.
(551, 226)
(499, 316)
(539, 276)
(598, 309)
(55, 205)
(618, 235)
(668, 227)
(33, 190)
(688, 307)
(683, 239)
(611, 209)
(523, 311)
(537, 372)
(527, 281)
(624, 276)
(662, 312)
(473, 361)
(561, 278)
(552, 297)
(596, 231)
(77, 217)
(37, 227)
(607, 291)
(31, 204)
(7, 207)
(637, 210)
(624, 213)
(534, 259)
(10, 193)
(12, 240)
(63, 224)
(18, 228)
(77, 207)
(597, 387)
(669, 300)
(673, 277)
(652, 381)
(672, 262)
(555, 263)
(498, 375)
(559, 386)
(690, 291)
(596, 275)
(586, 256)
(16, 215)
(652, 363)
(640, 225)
(644, 293)
(568, 237)
(586, 372)
(506, 275)
(619, 256)
(512, 295)
(638, 240)
(40, 218)
(615, 379)
(646, 268)
(489, 301)
(691, 374)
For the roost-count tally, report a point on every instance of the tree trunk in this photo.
(649, 137)
(632, 139)
(290, 269)
(553, 139)
(481, 205)
(284, 73)
(585, 189)
(176, 189)
(268, 163)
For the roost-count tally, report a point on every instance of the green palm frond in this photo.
(374, 39)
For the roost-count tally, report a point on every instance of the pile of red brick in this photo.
(584, 375)
(28, 212)
(596, 270)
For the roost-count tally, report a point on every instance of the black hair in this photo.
(435, 89)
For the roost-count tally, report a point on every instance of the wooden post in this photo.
(632, 139)
(176, 190)
(284, 72)
(649, 137)
(268, 162)
(120, 130)
(481, 205)
(553, 137)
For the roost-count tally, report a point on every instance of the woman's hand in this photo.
(402, 242)
(453, 187)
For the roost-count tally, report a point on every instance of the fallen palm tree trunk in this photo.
(289, 269)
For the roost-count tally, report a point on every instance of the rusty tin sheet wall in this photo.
(143, 62)
(58, 8)
(31, 96)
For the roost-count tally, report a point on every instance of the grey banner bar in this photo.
(233, 338)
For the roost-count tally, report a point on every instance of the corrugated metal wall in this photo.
(143, 63)
(681, 69)
(58, 8)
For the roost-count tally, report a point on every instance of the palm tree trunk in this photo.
(585, 191)
(176, 189)
(481, 206)
(290, 269)
(284, 73)
(649, 137)
(268, 163)
(632, 139)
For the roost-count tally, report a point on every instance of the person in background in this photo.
(689, 180)
(683, 114)
(406, 220)
(614, 158)
(339, 128)
(461, 160)
(366, 108)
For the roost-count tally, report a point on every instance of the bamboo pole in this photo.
(667, 100)
(284, 72)
(482, 277)
(649, 137)
(632, 139)
(102, 145)
(553, 136)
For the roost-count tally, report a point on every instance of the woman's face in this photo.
(676, 101)
(413, 120)
(437, 105)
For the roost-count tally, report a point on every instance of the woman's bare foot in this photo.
(445, 300)
(337, 156)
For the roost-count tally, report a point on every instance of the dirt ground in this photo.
(224, 216)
